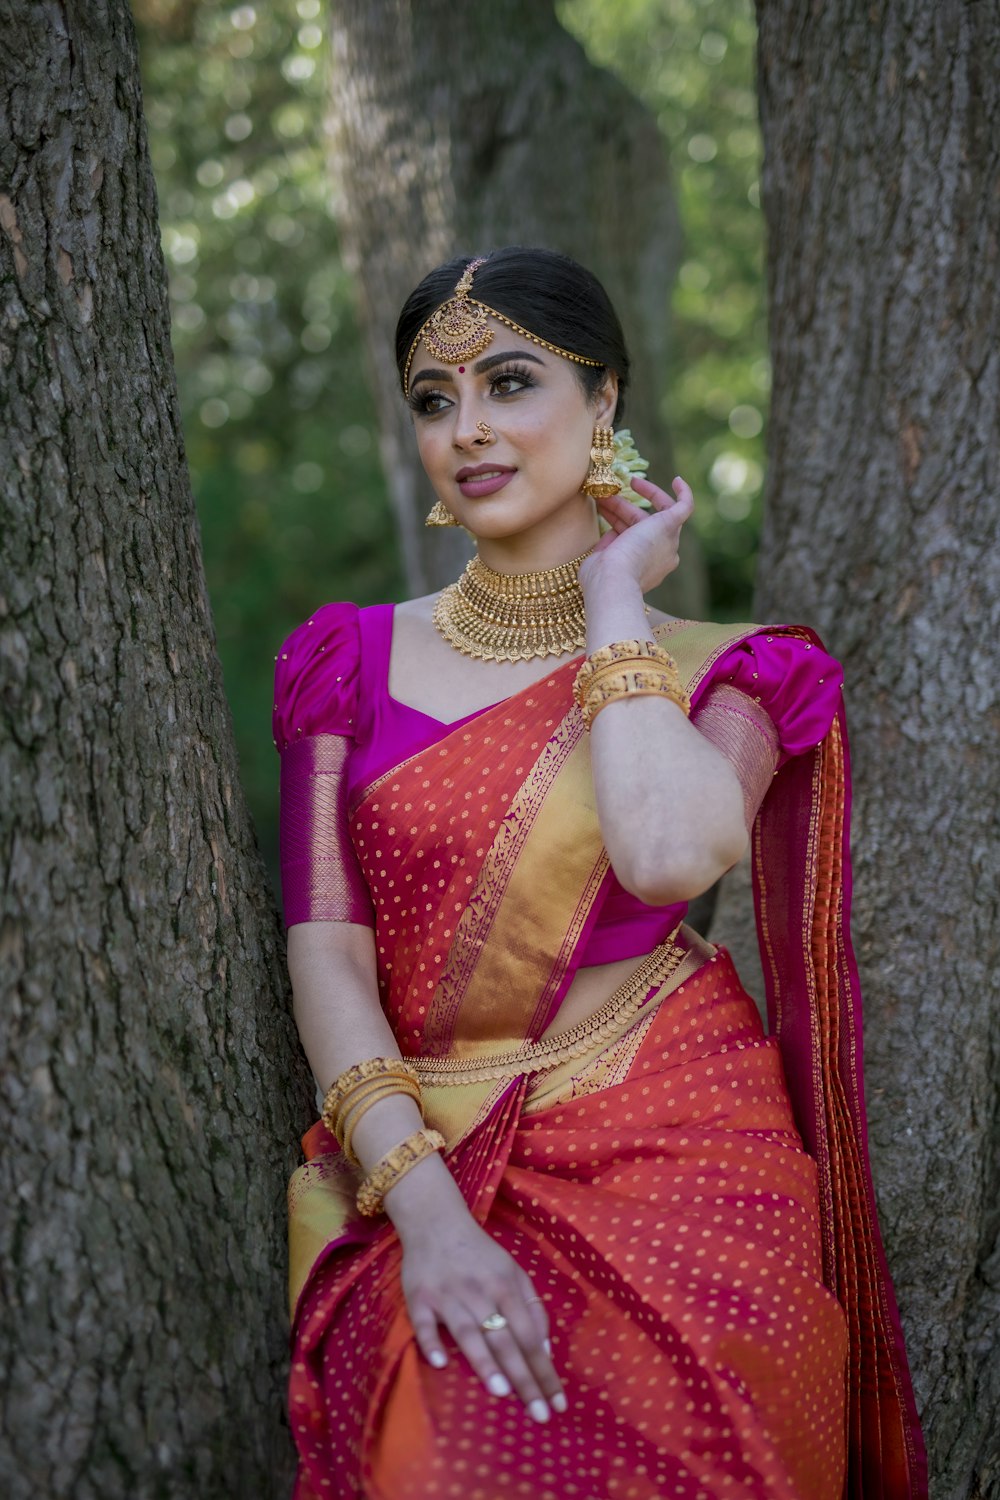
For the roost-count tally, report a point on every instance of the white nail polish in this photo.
(498, 1385)
(559, 1403)
(437, 1358)
(547, 1346)
(539, 1411)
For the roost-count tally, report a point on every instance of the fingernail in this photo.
(539, 1411)
(559, 1403)
(547, 1346)
(498, 1385)
(438, 1358)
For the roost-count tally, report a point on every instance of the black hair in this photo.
(549, 294)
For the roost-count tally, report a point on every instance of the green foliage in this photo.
(278, 418)
(691, 62)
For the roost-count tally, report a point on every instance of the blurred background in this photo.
(280, 422)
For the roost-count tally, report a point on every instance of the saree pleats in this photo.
(670, 1221)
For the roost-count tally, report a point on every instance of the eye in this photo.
(508, 382)
(426, 402)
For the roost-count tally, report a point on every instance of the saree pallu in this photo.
(713, 1290)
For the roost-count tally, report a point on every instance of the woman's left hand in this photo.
(642, 544)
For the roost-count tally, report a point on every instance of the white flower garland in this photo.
(627, 462)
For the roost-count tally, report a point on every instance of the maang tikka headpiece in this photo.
(460, 328)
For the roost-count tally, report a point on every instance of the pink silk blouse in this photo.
(338, 728)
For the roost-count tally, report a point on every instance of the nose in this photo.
(470, 430)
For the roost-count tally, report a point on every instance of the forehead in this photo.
(504, 343)
(502, 338)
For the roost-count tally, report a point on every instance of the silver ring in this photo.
(494, 1323)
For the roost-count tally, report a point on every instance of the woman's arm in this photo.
(453, 1272)
(670, 805)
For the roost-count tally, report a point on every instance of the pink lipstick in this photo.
(478, 480)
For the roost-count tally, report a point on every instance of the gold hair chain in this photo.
(460, 329)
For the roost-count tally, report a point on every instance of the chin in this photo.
(495, 520)
(501, 519)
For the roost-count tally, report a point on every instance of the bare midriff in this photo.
(590, 989)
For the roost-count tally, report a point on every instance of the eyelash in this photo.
(420, 400)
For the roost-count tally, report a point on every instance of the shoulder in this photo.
(415, 613)
(413, 632)
(316, 675)
(784, 668)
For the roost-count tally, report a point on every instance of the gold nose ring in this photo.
(486, 430)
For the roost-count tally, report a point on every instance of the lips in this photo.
(477, 480)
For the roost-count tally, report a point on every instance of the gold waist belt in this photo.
(539, 1057)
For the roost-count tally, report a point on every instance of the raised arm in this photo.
(669, 803)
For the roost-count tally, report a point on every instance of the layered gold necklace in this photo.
(514, 616)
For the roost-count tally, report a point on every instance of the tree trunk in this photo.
(882, 193)
(152, 1091)
(459, 128)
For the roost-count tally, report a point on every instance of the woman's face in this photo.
(529, 472)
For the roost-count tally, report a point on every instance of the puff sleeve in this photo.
(315, 713)
(770, 697)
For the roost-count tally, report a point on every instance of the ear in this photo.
(606, 401)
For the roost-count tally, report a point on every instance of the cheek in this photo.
(561, 438)
(431, 449)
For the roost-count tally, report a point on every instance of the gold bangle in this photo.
(351, 1117)
(611, 694)
(632, 684)
(616, 669)
(615, 650)
(346, 1082)
(367, 1089)
(620, 651)
(393, 1168)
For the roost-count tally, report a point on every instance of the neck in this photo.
(544, 546)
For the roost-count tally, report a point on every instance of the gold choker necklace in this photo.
(514, 616)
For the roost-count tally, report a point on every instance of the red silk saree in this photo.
(690, 1197)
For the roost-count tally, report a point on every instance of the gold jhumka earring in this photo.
(602, 482)
(440, 515)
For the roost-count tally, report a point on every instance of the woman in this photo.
(557, 1234)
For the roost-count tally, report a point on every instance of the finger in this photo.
(529, 1326)
(538, 1314)
(660, 499)
(685, 496)
(518, 1364)
(535, 1305)
(470, 1338)
(427, 1335)
(619, 512)
(680, 503)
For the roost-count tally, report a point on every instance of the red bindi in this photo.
(461, 369)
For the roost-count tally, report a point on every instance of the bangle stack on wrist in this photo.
(627, 669)
(394, 1166)
(350, 1096)
(353, 1093)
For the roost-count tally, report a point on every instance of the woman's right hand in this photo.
(455, 1275)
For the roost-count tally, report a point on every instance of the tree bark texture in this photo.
(151, 1091)
(881, 188)
(460, 128)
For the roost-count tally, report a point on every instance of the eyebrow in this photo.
(481, 367)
